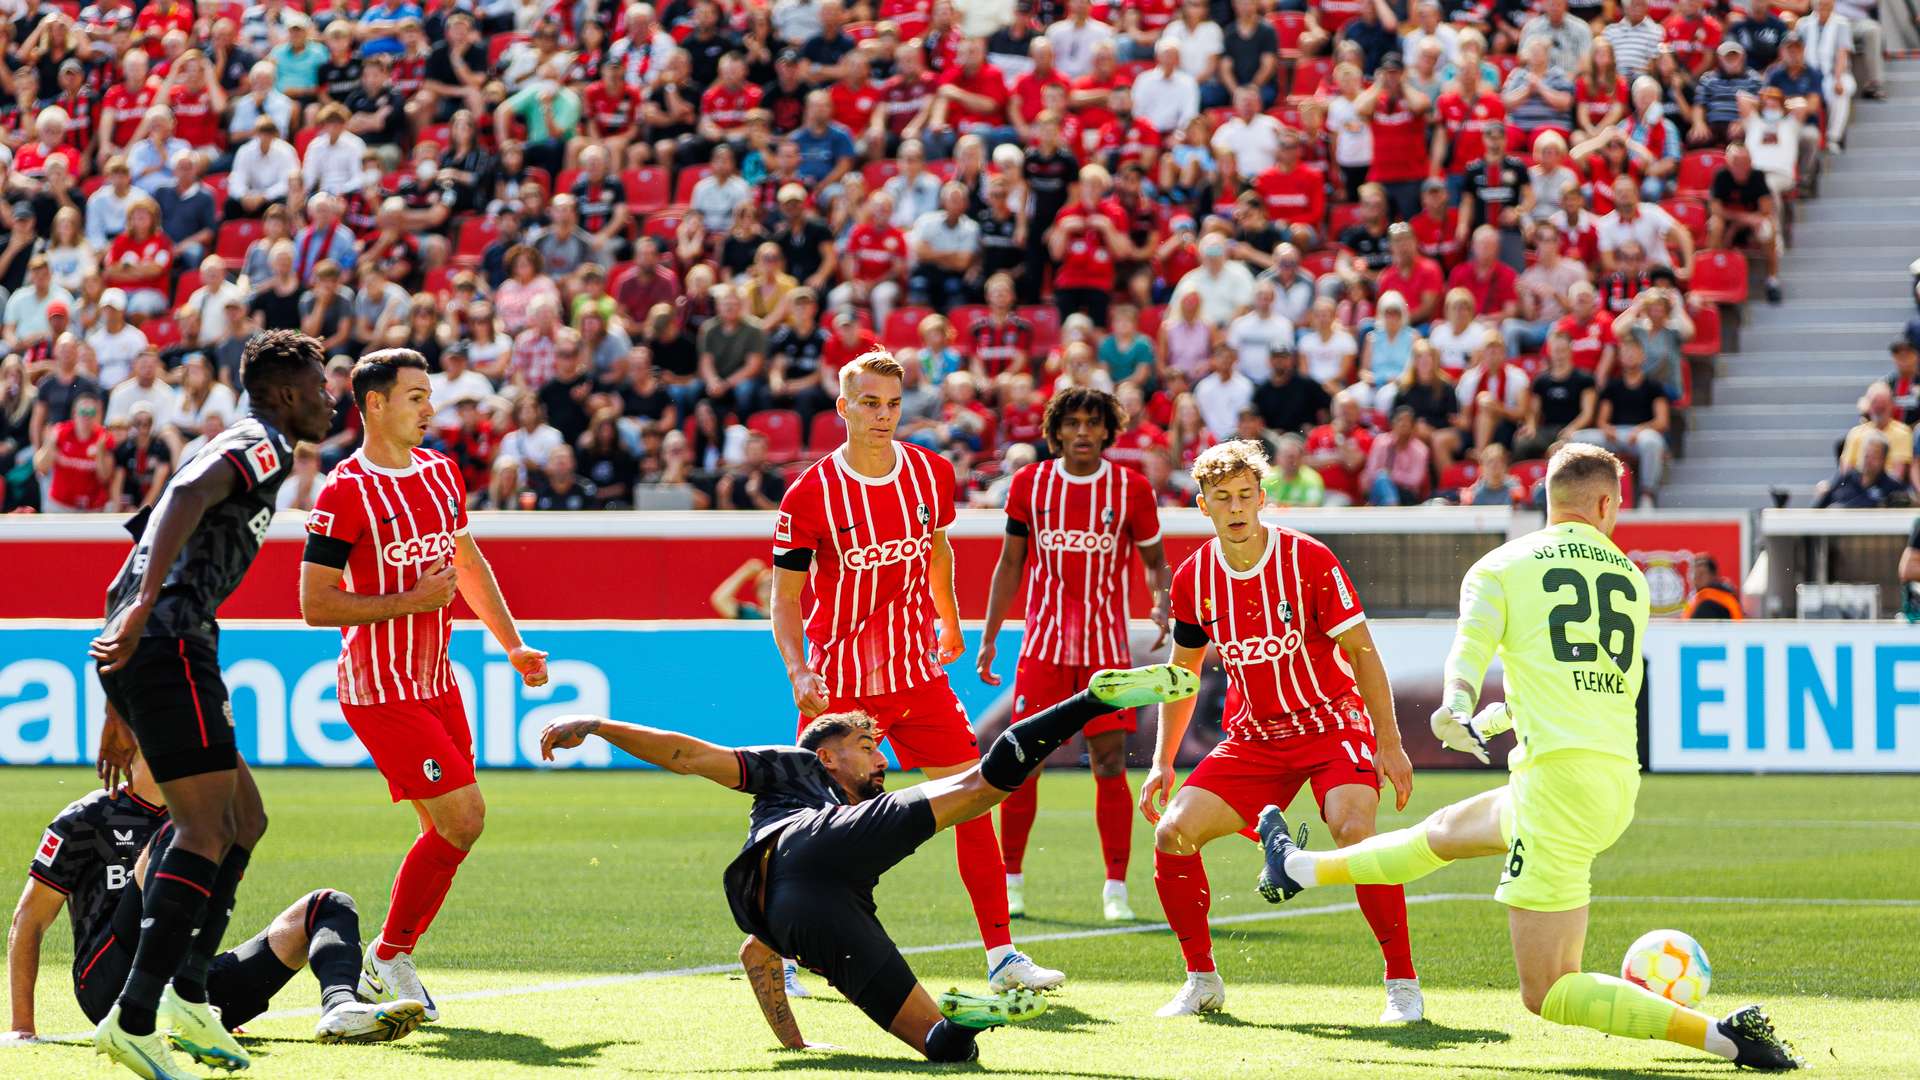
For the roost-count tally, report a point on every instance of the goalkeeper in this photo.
(1566, 612)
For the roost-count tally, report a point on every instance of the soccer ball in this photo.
(1670, 964)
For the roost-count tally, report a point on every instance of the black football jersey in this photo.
(217, 555)
(87, 855)
(785, 782)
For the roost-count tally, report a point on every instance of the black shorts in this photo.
(171, 695)
(240, 981)
(820, 907)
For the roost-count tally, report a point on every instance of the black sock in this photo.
(176, 900)
(190, 982)
(333, 946)
(950, 1042)
(1024, 747)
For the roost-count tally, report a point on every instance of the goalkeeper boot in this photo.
(1155, 684)
(1752, 1035)
(1276, 845)
(983, 1011)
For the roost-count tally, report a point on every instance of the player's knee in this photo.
(327, 902)
(1172, 837)
(462, 827)
(1534, 996)
(1350, 827)
(249, 825)
(1107, 761)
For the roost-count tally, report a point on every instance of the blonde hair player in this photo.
(1566, 611)
(867, 524)
(1310, 705)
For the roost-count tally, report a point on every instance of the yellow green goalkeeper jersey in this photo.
(1567, 612)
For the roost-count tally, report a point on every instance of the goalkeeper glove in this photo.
(1469, 736)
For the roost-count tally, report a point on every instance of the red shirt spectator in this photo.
(1463, 120)
(985, 81)
(1325, 440)
(727, 106)
(902, 96)
(1293, 196)
(1421, 282)
(1028, 89)
(159, 18)
(878, 251)
(1095, 117)
(911, 16)
(1595, 102)
(194, 117)
(1491, 286)
(1591, 336)
(32, 159)
(612, 110)
(1399, 141)
(1023, 423)
(846, 342)
(1335, 14)
(1132, 445)
(1693, 35)
(76, 480)
(127, 251)
(1437, 227)
(1088, 264)
(1125, 139)
(853, 106)
(123, 109)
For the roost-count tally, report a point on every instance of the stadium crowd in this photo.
(1411, 244)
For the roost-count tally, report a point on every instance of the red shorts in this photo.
(1038, 685)
(1249, 774)
(925, 725)
(423, 748)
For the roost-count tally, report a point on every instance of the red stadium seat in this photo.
(1720, 277)
(1341, 215)
(1046, 326)
(1529, 472)
(439, 281)
(1460, 474)
(476, 233)
(1321, 262)
(683, 185)
(877, 173)
(963, 318)
(437, 134)
(826, 434)
(782, 429)
(564, 182)
(1290, 26)
(1692, 214)
(1150, 319)
(161, 333)
(1309, 74)
(537, 175)
(1696, 172)
(647, 189)
(662, 227)
(301, 138)
(903, 327)
(497, 46)
(236, 236)
(1504, 63)
(182, 289)
(217, 185)
(1705, 342)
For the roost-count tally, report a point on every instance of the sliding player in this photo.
(1566, 611)
(1083, 518)
(824, 829)
(95, 859)
(1315, 708)
(387, 548)
(159, 664)
(868, 524)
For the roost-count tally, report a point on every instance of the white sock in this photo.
(1114, 888)
(1718, 1043)
(997, 954)
(1302, 869)
(1016, 880)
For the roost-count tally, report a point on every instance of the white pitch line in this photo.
(1780, 823)
(598, 981)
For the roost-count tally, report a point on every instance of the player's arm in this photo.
(481, 591)
(1189, 649)
(789, 635)
(39, 905)
(945, 605)
(669, 750)
(1160, 582)
(1477, 633)
(1006, 582)
(174, 518)
(1370, 678)
(324, 603)
(769, 984)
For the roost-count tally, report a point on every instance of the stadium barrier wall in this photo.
(1723, 697)
(664, 565)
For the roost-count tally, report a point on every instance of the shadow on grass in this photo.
(472, 1044)
(1663, 1066)
(1060, 1017)
(849, 1063)
(1425, 1035)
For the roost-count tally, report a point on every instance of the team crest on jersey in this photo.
(320, 521)
(49, 848)
(922, 514)
(431, 769)
(1106, 516)
(1285, 611)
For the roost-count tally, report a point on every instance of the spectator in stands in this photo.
(1652, 140)
(1538, 94)
(1492, 395)
(946, 253)
(1225, 287)
(1569, 37)
(25, 320)
(1644, 224)
(1716, 103)
(1561, 402)
(1878, 417)
(1338, 449)
(77, 456)
(141, 462)
(532, 441)
(1223, 394)
(1398, 469)
(1713, 597)
(1760, 32)
(1386, 352)
(326, 308)
(1545, 294)
(1291, 481)
(1904, 381)
(1829, 41)
(1864, 486)
(1166, 97)
(1657, 321)
(733, 352)
(1784, 146)
(1494, 485)
(1487, 281)
(1633, 419)
(324, 238)
(753, 484)
(1795, 79)
(265, 172)
(1742, 213)
(557, 486)
(187, 212)
(1494, 193)
(145, 388)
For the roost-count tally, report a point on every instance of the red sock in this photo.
(1113, 813)
(1181, 881)
(985, 877)
(418, 891)
(1016, 822)
(1385, 907)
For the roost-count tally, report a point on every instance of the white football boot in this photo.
(1204, 991)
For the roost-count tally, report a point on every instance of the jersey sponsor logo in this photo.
(257, 525)
(874, 556)
(49, 848)
(320, 521)
(120, 837)
(1076, 540)
(117, 877)
(783, 528)
(418, 549)
(264, 459)
(1340, 583)
(1244, 652)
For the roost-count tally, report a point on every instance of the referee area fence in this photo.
(625, 604)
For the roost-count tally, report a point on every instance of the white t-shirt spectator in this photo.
(1199, 46)
(1352, 136)
(1254, 338)
(219, 400)
(1073, 45)
(912, 198)
(1168, 102)
(116, 351)
(333, 165)
(1511, 393)
(1447, 36)
(160, 397)
(211, 303)
(1649, 228)
(1253, 145)
(1222, 295)
(531, 448)
(26, 313)
(716, 200)
(445, 392)
(270, 173)
(1457, 350)
(1221, 401)
(1775, 146)
(1326, 360)
(962, 237)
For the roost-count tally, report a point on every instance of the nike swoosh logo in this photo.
(388, 520)
(850, 528)
(1211, 621)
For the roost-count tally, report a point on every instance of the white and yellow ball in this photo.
(1669, 963)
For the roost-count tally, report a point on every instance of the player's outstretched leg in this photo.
(1617, 1007)
(1466, 829)
(332, 922)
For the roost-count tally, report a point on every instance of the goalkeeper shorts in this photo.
(1562, 810)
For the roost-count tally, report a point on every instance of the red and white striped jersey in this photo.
(385, 527)
(869, 541)
(1081, 534)
(1274, 627)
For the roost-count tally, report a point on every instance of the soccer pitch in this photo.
(588, 936)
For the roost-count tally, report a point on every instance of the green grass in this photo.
(585, 877)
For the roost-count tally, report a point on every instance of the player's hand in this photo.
(117, 640)
(531, 663)
(435, 588)
(984, 665)
(951, 644)
(1155, 792)
(1162, 616)
(1455, 733)
(566, 733)
(117, 747)
(810, 692)
(1398, 769)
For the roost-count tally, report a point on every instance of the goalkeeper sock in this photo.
(1023, 747)
(1391, 858)
(1617, 1007)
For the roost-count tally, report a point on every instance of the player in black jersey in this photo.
(824, 828)
(159, 665)
(95, 858)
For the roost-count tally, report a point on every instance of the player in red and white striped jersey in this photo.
(867, 525)
(1315, 708)
(1082, 518)
(387, 548)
